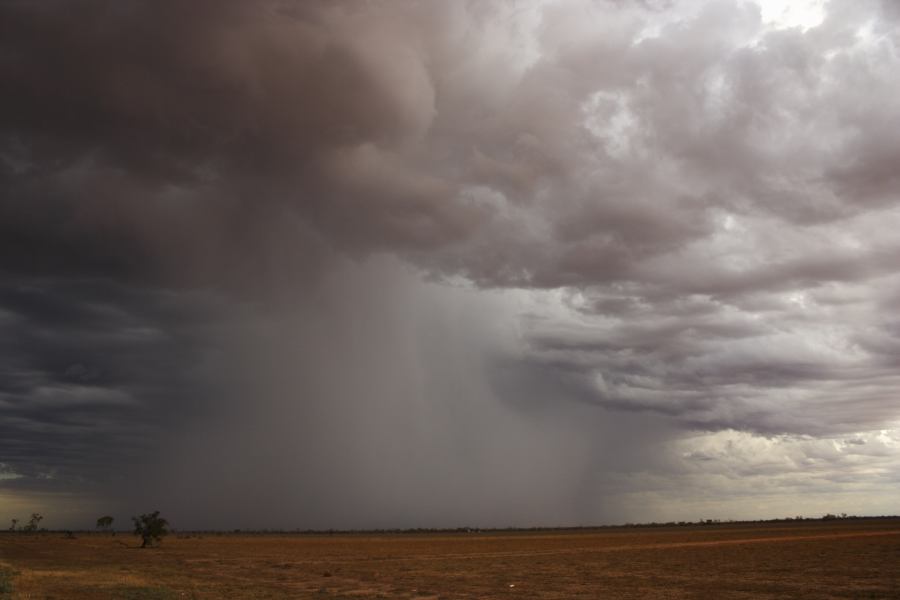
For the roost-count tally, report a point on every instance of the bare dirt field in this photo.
(838, 559)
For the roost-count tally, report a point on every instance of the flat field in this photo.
(833, 559)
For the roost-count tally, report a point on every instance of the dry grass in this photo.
(845, 559)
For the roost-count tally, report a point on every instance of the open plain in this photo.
(831, 559)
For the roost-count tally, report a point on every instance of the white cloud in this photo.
(804, 14)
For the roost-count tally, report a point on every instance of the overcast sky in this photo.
(424, 264)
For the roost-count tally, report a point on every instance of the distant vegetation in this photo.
(151, 527)
(428, 530)
(29, 527)
(105, 523)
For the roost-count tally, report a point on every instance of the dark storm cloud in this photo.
(607, 149)
(158, 128)
(91, 369)
(672, 210)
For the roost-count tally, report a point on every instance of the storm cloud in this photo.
(401, 263)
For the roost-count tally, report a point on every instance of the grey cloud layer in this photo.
(715, 198)
(408, 127)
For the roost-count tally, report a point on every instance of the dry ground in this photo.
(843, 559)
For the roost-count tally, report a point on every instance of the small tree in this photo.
(151, 527)
(15, 522)
(33, 522)
(105, 523)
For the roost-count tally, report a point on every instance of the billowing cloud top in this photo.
(675, 219)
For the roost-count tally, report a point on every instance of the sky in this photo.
(397, 263)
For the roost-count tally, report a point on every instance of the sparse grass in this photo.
(6, 582)
(143, 593)
(787, 560)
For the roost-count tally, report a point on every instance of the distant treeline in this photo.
(457, 530)
(826, 517)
